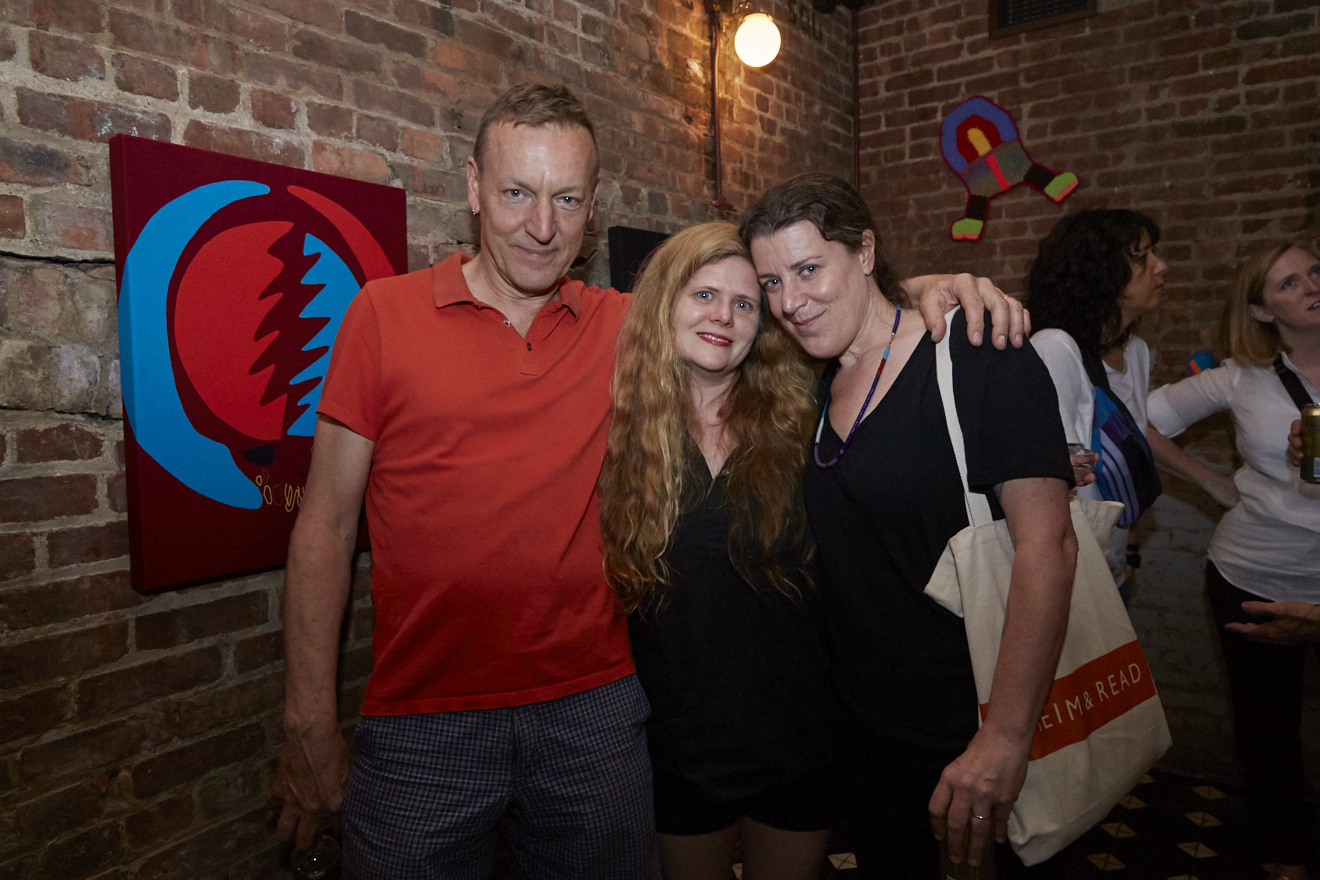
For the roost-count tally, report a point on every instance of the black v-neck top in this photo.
(883, 515)
(735, 671)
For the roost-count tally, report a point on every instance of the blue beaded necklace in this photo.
(825, 407)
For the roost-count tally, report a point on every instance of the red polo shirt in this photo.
(487, 580)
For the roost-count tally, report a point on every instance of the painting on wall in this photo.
(233, 277)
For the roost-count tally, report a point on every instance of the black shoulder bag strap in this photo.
(1292, 383)
(1095, 371)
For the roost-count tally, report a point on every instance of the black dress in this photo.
(882, 517)
(735, 670)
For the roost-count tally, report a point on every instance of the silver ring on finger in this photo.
(982, 818)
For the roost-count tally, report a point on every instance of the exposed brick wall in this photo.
(1203, 114)
(139, 730)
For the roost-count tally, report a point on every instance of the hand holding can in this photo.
(1310, 437)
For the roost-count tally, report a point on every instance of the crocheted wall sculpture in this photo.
(980, 142)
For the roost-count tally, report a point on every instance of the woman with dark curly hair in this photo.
(1094, 276)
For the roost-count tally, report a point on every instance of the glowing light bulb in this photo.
(757, 40)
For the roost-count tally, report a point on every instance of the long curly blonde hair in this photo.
(769, 414)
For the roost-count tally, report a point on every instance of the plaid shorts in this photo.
(573, 774)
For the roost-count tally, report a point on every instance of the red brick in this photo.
(428, 80)
(256, 652)
(36, 499)
(116, 490)
(17, 558)
(87, 544)
(60, 811)
(78, 226)
(88, 120)
(348, 162)
(237, 142)
(1295, 68)
(61, 601)
(197, 856)
(160, 821)
(134, 685)
(378, 132)
(393, 102)
(356, 664)
(248, 25)
(435, 19)
(60, 443)
(221, 57)
(234, 789)
(376, 32)
(142, 76)
(329, 120)
(39, 165)
(82, 854)
(212, 93)
(154, 38)
(79, 16)
(245, 701)
(34, 712)
(178, 626)
(62, 58)
(429, 181)
(335, 54)
(86, 750)
(62, 655)
(273, 110)
(320, 13)
(174, 768)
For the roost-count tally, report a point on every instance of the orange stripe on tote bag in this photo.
(1090, 697)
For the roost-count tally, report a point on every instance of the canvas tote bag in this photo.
(1103, 726)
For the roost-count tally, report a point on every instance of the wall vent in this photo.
(1015, 16)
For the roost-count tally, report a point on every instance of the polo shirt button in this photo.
(507, 324)
(529, 346)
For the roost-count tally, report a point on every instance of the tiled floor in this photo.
(1167, 828)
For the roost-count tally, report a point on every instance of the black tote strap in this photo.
(1095, 371)
(1292, 383)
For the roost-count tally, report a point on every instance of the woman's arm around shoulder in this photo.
(986, 779)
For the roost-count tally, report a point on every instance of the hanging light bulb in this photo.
(756, 41)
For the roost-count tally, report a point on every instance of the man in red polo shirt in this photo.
(468, 403)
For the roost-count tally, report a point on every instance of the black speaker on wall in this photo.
(629, 248)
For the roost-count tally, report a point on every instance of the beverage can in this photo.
(1311, 443)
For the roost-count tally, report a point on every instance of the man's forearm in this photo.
(316, 590)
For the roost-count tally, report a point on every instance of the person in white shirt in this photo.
(1094, 276)
(1261, 574)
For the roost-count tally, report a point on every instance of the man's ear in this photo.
(591, 208)
(474, 185)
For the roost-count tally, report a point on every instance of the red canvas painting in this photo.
(233, 278)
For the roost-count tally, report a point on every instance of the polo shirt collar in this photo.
(449, 287)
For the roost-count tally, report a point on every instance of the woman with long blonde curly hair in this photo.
(707, 545)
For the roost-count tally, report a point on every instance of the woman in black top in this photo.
(883, 496)
(706, 543)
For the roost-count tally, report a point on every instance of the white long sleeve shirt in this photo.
(1076, 394)
(1269, 544)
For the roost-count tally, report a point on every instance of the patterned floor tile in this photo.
(1106, 861)
(1197, 850)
